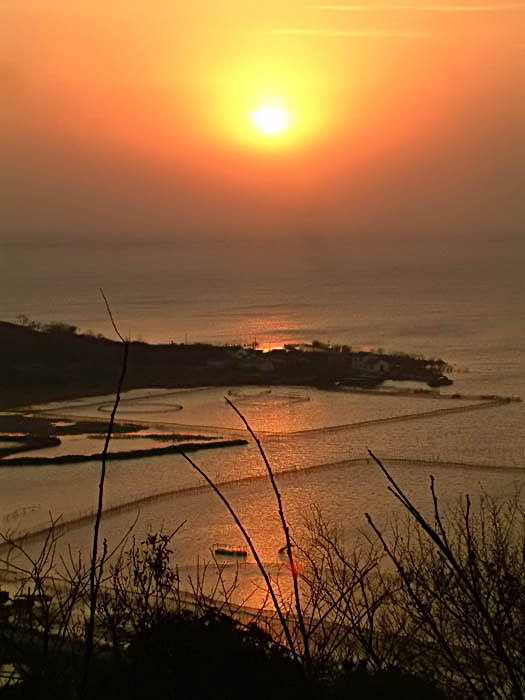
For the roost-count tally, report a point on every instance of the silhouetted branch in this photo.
(110, 314)
(253, 550)
(468, 580)
(286, 531)
(94, 577)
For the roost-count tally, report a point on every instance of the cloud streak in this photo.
(348, 33)
(423, 8)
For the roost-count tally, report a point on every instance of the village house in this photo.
(369, 363)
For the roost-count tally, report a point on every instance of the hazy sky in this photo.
(132, 118)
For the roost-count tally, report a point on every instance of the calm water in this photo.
(463, 303)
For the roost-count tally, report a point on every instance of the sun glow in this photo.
(276, 103)
(271, 119)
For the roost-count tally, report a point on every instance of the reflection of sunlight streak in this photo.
(280, 474)
(267, 399)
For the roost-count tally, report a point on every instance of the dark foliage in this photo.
(210, 658)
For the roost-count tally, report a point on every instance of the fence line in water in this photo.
(83, 518)
(479, 403)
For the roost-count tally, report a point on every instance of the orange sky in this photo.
(132, 118)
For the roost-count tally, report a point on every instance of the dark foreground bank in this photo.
(203, 658)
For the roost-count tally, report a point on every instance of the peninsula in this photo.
(41, 363)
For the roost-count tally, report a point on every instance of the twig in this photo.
(469, 584)
(427, 614)
(286, 530)
(110, 314)
(94, 579)
(248, 539)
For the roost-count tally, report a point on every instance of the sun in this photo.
(271, 119)
(274, 104)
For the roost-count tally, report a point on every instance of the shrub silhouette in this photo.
(212, 657)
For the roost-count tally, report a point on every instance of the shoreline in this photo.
(41, 366)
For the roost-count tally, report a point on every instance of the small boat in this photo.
(440, 380)
(230, 550)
